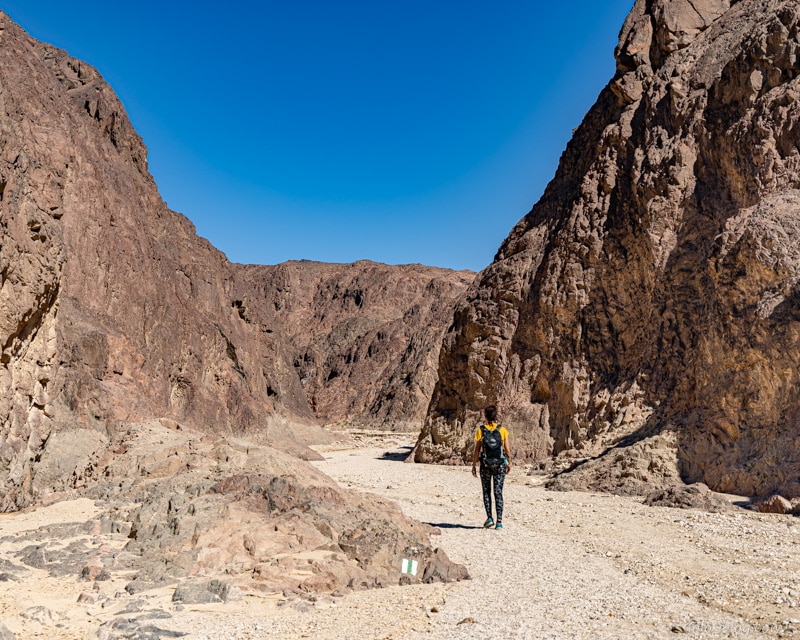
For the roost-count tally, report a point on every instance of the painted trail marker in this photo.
(409, 567)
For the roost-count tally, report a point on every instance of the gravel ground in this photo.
(567, 565)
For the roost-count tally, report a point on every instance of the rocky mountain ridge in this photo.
(113, 311)
(365, 338)
(647, 303)
(141, 368)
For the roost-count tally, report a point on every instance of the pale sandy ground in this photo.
(567, 565)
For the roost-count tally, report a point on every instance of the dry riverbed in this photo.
(567, 565)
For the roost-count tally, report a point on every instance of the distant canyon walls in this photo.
(364, 338)
(653, 292)
(113, 311)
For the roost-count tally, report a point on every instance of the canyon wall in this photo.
(365, 337)
(143, 370)
(114, 312)
(650, 298)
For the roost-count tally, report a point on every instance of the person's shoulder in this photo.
(503, 431)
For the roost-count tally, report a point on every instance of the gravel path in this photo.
(567, 565)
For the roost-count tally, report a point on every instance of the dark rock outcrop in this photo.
(654, 287)
(215, 516)
(205, 506)
(692, 496)
(218, 515)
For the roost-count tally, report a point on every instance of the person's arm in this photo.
(508, 453)
(475, 454)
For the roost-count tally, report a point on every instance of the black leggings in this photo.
(486, 482)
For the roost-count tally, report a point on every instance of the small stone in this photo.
(42, 615)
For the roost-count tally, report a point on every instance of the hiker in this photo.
(491, 445)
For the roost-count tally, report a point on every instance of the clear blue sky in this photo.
(340, 130)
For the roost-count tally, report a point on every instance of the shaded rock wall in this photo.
(365, 337)
(654, 286)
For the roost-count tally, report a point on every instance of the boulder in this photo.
(774, 504)
(693, 496)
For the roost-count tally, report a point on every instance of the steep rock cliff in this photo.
(364, 337)
(114, 312)
(112, 309)
(652, 293)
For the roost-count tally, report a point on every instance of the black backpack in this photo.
(492, 454)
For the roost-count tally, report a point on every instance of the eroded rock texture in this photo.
(222, 513)
(365, 337)
(112, 309)
(133, 352)
(654, 287)
(211, 506)
(113, 312)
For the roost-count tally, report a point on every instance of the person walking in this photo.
(492, 448)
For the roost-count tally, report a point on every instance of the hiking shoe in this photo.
(499, 525)
(488, 524)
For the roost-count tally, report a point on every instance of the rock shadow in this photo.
(453, 525)
(397, 456)
(634, 464)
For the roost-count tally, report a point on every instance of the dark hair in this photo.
(491, 413)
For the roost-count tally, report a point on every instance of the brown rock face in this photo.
(132, 352)
(365, 337)
(113, 312)
(654, 287)
(112, 309)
